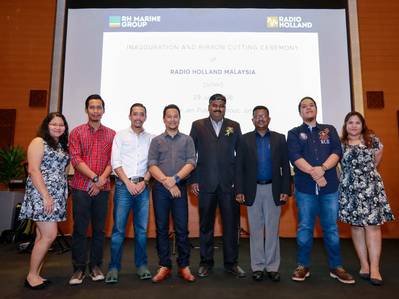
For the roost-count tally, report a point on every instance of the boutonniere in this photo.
(229, 131)
(323, 135)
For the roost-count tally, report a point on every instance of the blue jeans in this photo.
(164, 204)
(123, 203)
(326, 207)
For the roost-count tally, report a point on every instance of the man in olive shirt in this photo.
(171, 158)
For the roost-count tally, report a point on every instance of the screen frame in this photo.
(57, 76)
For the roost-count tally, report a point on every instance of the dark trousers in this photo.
(88, 209)
(230, 212)
(164, 204)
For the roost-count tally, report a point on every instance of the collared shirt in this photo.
(171, 153)
(130, 151)
(217, 125)
(92, 147)
(264, 156)
(314, 145)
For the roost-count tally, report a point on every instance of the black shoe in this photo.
(236, 271)
(365, 276)
(376, 282)
(274, 276)
(36, 287)
(203, 271)
(258, 275)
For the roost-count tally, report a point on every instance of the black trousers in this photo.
(88, 209)
(230, 212)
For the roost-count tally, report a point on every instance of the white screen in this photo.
(187, 55)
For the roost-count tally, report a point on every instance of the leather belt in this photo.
(264, 182)
(136, 179)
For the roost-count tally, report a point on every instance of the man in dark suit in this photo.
(216, 141)
(263, 184)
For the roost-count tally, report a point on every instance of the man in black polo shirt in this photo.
(314, 150)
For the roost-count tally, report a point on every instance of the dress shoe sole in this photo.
(301, 279)
(188, 280)
(163, 279)
(238, 275)
(36, 287)
(341, 280)
(376, 282)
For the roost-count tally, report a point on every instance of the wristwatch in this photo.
(95, 179)
(177, 178)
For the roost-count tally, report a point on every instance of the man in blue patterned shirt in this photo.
(314, 150)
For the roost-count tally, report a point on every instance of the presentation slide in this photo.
(182, 56)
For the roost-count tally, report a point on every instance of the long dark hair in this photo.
(366, 132)
(44, 133)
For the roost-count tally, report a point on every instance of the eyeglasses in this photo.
(57, 125)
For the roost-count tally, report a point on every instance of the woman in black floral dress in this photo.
(363, 201)
(46, 190)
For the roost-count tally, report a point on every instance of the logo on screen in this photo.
(291, 22)
(114, 21)
(272, 22)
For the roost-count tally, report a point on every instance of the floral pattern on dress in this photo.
(52, 167)
(362, 197)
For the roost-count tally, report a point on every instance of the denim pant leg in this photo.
(81, 207)
(180, 222)
(162, 201)
(122, 205)
(307, 205)
(141, 206)
(328, 211)
(99, 210)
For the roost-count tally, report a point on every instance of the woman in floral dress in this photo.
(363, 201)
(46, 190)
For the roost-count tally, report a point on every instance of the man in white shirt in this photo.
(129, 162)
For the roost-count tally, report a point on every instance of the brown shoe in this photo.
(185, 273)
(300, 273)
(162, 274)
(343, 276)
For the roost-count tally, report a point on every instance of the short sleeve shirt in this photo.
(314, 145)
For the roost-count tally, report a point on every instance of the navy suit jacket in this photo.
(247, 167)
(216, 154)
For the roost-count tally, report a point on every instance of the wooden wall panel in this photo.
(379, 46)
(26, 36)
(26, 39)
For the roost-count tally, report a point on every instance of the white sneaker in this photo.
(96, 274)
(77, 277)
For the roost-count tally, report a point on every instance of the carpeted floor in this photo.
(14, 266)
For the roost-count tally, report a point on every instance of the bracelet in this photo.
(324, 167)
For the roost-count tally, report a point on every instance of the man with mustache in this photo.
(129, 162)
(263, 184)
(216, 140)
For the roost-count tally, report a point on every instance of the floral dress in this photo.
(362, 199)
(52, 167)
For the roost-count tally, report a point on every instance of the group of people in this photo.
(222, 168)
